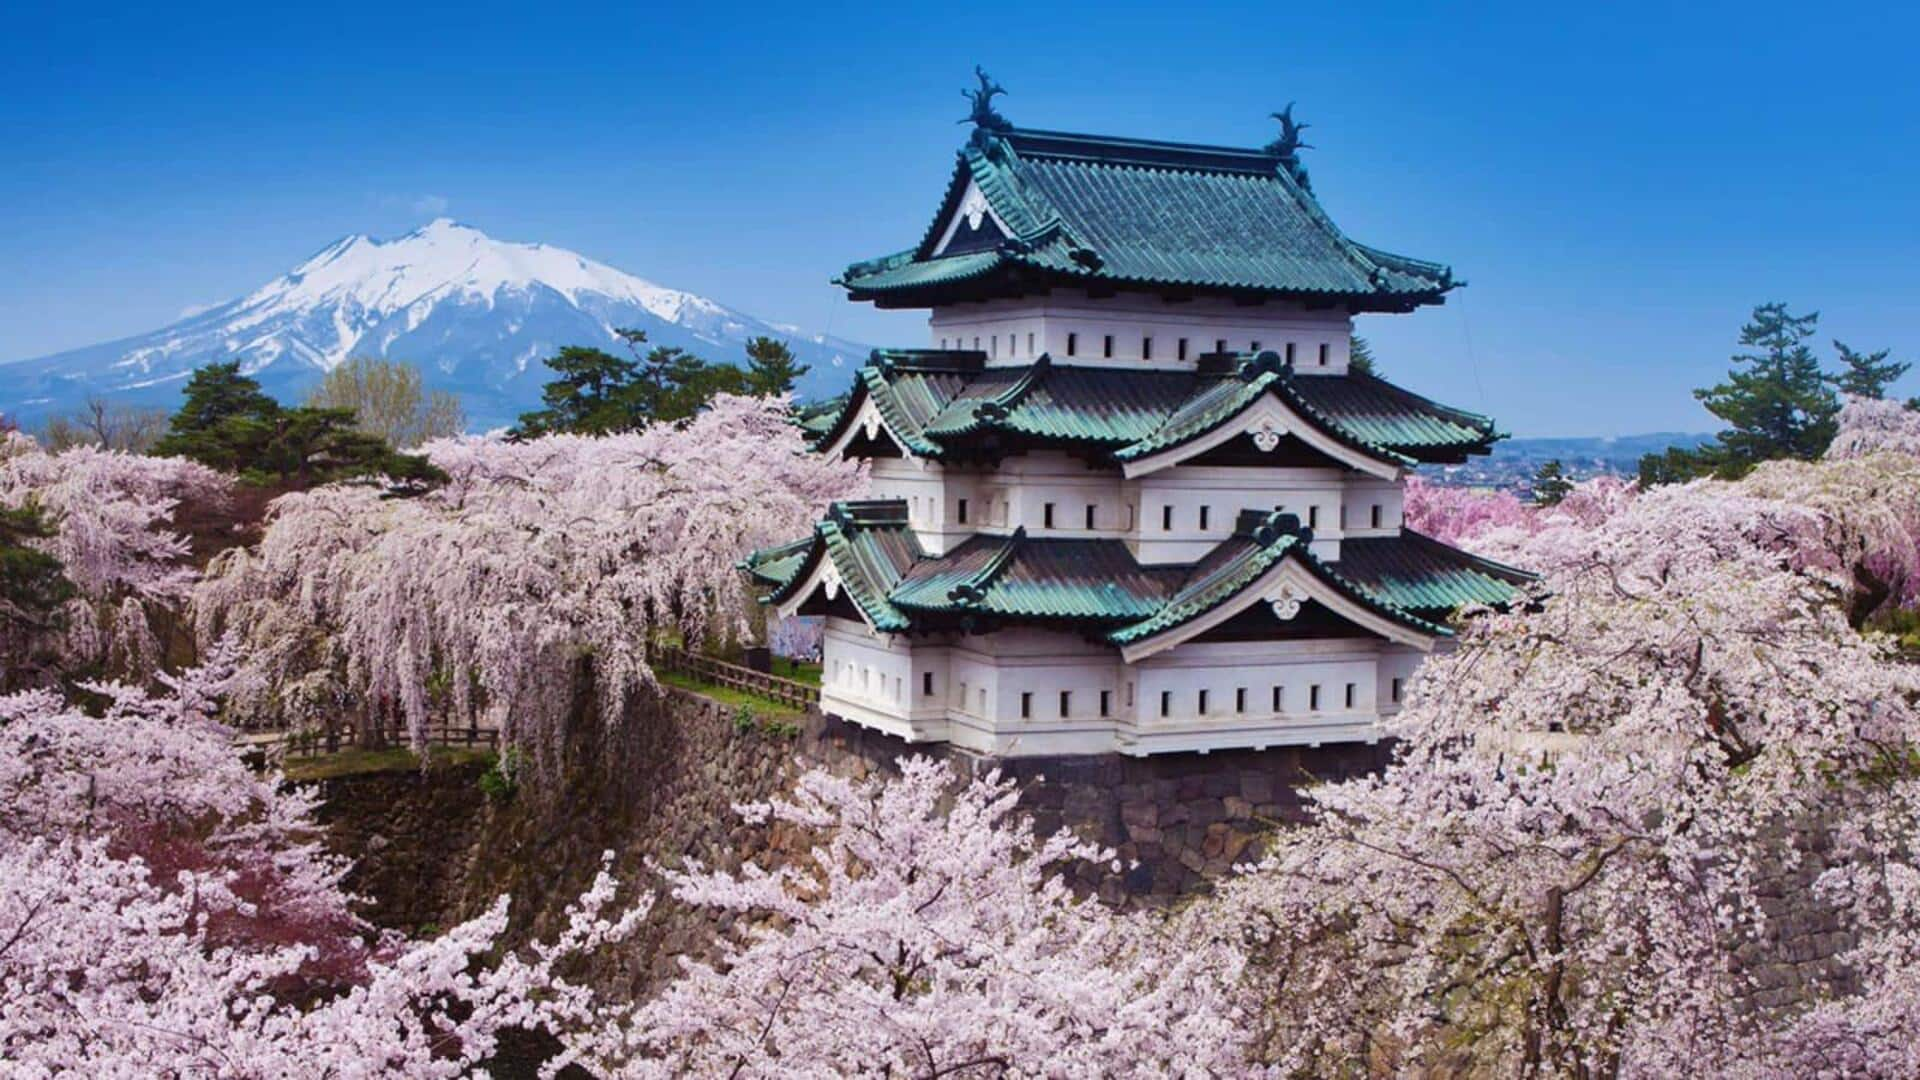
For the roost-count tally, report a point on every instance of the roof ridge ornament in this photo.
(984, 117)
(1288, 146)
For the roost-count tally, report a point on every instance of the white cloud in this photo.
(430, 204)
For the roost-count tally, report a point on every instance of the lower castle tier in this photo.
(1073, 560)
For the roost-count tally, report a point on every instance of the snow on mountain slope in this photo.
(475, 313)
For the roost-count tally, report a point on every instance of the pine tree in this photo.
(229, 424)
(1866, 375)
(598, 393)
(1360, 356)
(1550, 483)
(1776, 401)
(33, 587)
(216, 394)
(594, 393)
(771, 368)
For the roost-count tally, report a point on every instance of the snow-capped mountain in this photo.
(476, 314)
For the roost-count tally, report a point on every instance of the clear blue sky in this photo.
(1619, 184)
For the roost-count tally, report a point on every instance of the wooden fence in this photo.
(319, 741)
(706, 669)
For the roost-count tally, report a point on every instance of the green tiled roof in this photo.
(1085, 209)
(1411, 579)
(1382, 414)
(952, 407)
(776, 566)
(1017, 577)
(1425, 576)
(871, 547)
(1211, 404)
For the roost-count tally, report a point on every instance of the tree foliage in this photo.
(389, 401)
(33, 593)
(771, 369)
(476, 602)
(229, 424)
(167, 911)
(1550, 483)
(1360, 356)
(1776, 401)
(108, 521)
(1561, 868)
(1866, 375)
(931, 935)
(598, 393)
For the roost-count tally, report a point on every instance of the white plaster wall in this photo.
(969, 691)
(868, 677)
(1223, 669)
(1314, 494)
(1018, 331)
(1397, 666)
(998, 669)
(1018, 493)
(1363, 494)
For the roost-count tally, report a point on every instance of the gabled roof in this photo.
(1409, 581)
(1424, 576)
(868, 547)
(939, 405)
(1261, 541)
(1094, 210)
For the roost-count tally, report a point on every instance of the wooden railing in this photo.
(318, 741)
(706, 669)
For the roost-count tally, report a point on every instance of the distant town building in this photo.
(1133, 499)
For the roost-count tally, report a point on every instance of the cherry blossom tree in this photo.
(1870, 425)
(925, 939)
(477, 603)
(114, 518)
(1452, 514)
(1558, 870)
(165, 910)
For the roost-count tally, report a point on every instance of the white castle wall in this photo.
(1175, 515)
(1139, 330)
(1025, 691)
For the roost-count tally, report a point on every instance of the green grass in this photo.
(797, 670)
(396, 759)
(727, 695)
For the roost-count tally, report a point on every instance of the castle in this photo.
(1138, 497)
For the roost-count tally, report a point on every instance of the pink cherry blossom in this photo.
(479, 603)
(114, 519)
(931, 934)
